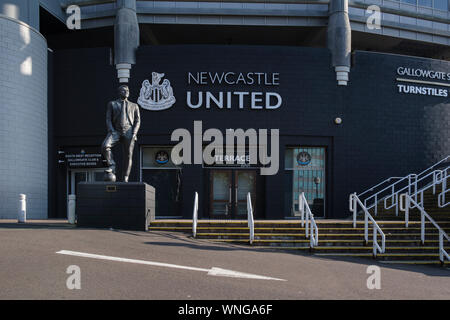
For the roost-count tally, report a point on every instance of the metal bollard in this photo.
(71, 209)
(22, 214)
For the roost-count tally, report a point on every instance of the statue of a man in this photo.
(122, 121)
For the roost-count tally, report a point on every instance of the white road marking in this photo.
(212, 272)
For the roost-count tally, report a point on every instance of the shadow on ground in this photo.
(187, 241)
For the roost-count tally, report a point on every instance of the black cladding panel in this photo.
(383, 133)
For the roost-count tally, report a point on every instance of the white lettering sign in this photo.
(160, 96)
(420, 73)
(423, 82)
(233, 78)
(236, 99)
(256, 100)
(412, 89)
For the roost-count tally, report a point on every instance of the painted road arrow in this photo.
(218, 272)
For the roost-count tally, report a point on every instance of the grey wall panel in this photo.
(23, 119)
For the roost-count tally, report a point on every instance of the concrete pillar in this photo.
(126, 38)
(339, 39)
(22, 214)
(71, 208)
(23, 119)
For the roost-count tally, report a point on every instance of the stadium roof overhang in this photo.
(274, 22)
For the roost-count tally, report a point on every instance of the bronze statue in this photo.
(123, 121)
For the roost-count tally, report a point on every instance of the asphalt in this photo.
(30, 268)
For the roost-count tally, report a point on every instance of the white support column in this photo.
(123, 72)
(22, 214)
(342, 75)
(71, 206)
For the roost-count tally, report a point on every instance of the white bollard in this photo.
(71, 209)
(22, 214)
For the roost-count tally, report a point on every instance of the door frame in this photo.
(326, 172)
(230, 196)
(233, 173)
(253, 197)
(70, 174)
(143, 168)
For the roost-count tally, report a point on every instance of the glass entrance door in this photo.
(221, 194)
(228, 194)
(245, 182)
(305, 172)
(77, 176)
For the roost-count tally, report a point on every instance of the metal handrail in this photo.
(377, 197)
(376, 186)
(431, 168)
(441, 196)
(353, 206)
(251, 222)
(439, 177)
(412, 189)
(195, 216)
(423, 214)
(310, 232)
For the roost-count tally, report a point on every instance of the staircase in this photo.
(340, 238)
(430, 206)
(403, 244)
(336, 238)
(268, 234)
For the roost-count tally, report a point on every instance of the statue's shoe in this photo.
(109, 177)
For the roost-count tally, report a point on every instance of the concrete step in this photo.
(408, 257)
(415, 250)
(245, 235)
(203, 230)
(336, 238)
(282, 224)
(444, 220)
(413, 230)
(416, 262)
(407, 238)
(424, 259)
(268, 243)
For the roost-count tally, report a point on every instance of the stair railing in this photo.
(353, 205)
(251, 222)
(392, 191)
(378, 185)
(439, 177)
(431, 168)
(389, 191)
(195, 216)
(410, 203)
(441, 197)
(415, 188)
(311, 229)
(410, 184)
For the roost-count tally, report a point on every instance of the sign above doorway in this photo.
(81, 157)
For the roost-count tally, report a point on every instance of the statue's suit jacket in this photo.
(113, 111)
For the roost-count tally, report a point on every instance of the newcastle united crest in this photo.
(303, 158)
(162, 157)
(156, 96)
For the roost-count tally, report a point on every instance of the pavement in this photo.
(161, 265)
